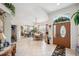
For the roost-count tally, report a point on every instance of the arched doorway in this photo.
(61, 32)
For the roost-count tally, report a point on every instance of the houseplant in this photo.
(10, 6)
(76, 17)
(61, 19)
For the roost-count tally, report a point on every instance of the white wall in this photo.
(7, 27)
(18, 32)
(7, 22)
(78, 35)
(63, 12)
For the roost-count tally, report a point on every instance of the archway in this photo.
(5, 24)
(61, 32)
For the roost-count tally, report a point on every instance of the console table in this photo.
(37, 36)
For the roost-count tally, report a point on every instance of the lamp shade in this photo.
(2, 36)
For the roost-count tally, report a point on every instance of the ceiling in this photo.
(27, 13)
(48, 7)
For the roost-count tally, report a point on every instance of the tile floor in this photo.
(70, 52)
(29, 47)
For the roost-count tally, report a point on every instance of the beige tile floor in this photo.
(70, 52)
(29, 47)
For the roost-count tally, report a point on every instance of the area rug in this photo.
(59, 51)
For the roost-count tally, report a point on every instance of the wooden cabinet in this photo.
(9, 51)
(13, 49)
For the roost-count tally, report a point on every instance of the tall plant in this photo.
(61, 19)
(11, 7)
(76, 17)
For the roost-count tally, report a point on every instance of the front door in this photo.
(62, 35)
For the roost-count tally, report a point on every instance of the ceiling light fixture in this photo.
(58, 4)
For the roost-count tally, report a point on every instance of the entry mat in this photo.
(59, 51)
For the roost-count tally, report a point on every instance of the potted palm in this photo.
(75, 17)
(61, 19)
(10, 6)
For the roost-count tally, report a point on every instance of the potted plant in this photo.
(75, 17)
(10, 6)
(61, 19)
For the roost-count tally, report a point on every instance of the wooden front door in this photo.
(62, 39)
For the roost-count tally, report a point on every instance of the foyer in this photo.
(29, 29)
